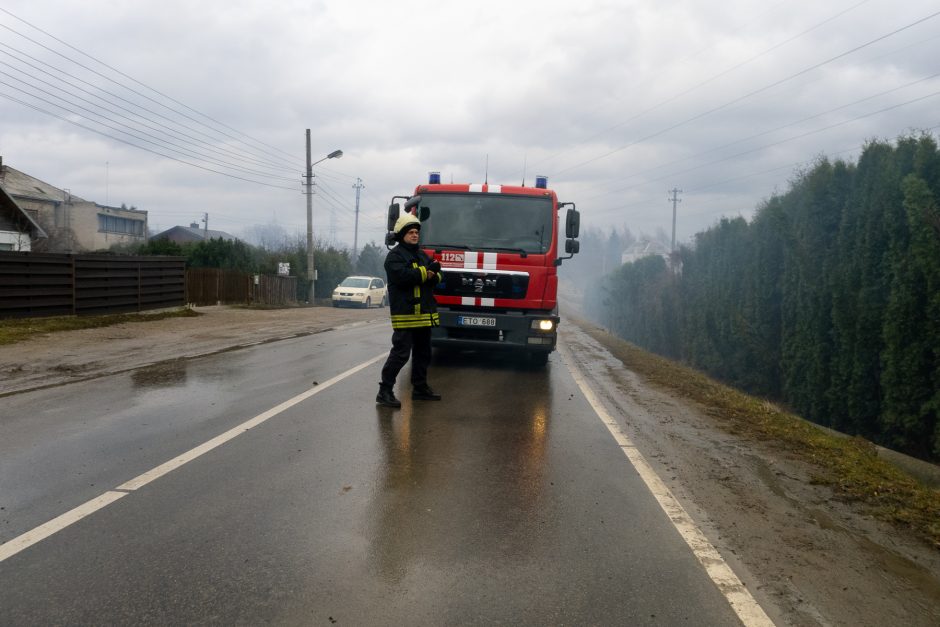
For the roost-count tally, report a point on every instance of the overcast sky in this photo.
(617, 102)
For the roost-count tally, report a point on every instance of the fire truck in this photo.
(498, 246)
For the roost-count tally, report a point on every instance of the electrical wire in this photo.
(747, 95)
(123, 141)
(708, 80)
(238, 154)
(132, 132)
(290, 158)
(775, 129)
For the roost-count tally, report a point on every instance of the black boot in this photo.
(386, 397)
(424, 392)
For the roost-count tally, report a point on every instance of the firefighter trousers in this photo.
(405, 342)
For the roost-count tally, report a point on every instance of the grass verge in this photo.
(18, 329)
(851, 466)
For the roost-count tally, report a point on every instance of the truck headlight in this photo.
(542, 325)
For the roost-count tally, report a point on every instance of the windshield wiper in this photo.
(521, 252)
(441, 247)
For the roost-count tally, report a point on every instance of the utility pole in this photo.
(205, 232)
(311, 272)
(675, 199)
(311, 276)
(358, 186)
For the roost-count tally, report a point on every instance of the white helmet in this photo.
(404, 223)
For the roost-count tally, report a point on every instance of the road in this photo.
(510, 502)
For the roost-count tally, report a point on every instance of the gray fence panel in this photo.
(41, 284)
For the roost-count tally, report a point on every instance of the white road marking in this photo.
(738, 596)
(17, 544)
(21, 542)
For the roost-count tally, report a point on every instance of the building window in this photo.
(115, 224)
(6, 246)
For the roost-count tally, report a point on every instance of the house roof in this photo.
(8, 203)
(647, 247)
(192, 234)
(20, 184)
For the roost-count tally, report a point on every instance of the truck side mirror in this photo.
(572, 223)
(390, 239)
(572, 246)
(393, 210)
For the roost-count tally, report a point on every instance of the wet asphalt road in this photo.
(506, 503)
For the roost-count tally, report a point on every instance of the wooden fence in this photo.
(47, 284)
(211, 286)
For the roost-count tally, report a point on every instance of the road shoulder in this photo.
(807, 557)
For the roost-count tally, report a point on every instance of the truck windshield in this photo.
(481, 221)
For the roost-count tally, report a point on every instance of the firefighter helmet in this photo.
(405, 223)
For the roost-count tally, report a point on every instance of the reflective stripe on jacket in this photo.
(410, 291)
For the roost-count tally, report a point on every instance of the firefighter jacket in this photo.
(410, 298)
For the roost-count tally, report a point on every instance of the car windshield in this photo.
(354, 282)
(494, 221)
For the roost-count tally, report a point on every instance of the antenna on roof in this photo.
(525, 160)
(486, 171)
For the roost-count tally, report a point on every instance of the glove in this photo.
(435, 266)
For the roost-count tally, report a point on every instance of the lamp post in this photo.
(311, 274)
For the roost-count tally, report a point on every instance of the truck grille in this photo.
(511, 285)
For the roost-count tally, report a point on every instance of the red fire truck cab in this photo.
(498, 248)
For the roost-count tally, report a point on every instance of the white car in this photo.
(360, 291)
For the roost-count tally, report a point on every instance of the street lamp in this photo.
(311, 274)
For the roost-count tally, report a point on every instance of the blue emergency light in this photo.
(541, 182)
(434, 178)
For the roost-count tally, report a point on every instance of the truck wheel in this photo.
(368, 302)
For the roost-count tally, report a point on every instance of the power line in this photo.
(123, 141)
(132, 132)
(789, 139)
(748, 95)
(778, 128)
(790, 166)
(290, 157)
(712, 78)
(211, 147)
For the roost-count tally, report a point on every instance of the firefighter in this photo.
(411, 278)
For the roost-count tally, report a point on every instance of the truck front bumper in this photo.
(517, 331)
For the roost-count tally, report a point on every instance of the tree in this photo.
(829, 299)
(160, 246)
(221, 253)
(371, 260)
(911, 358)
(332, 267)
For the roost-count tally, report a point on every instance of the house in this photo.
(70, 224)
(192, 233)
(644, 248)
(17, 228)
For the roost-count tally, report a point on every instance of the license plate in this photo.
(473, 321)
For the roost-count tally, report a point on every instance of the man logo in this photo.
(478, 283)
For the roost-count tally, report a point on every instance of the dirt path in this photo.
(807, 557)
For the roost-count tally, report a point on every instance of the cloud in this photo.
(616, 102)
